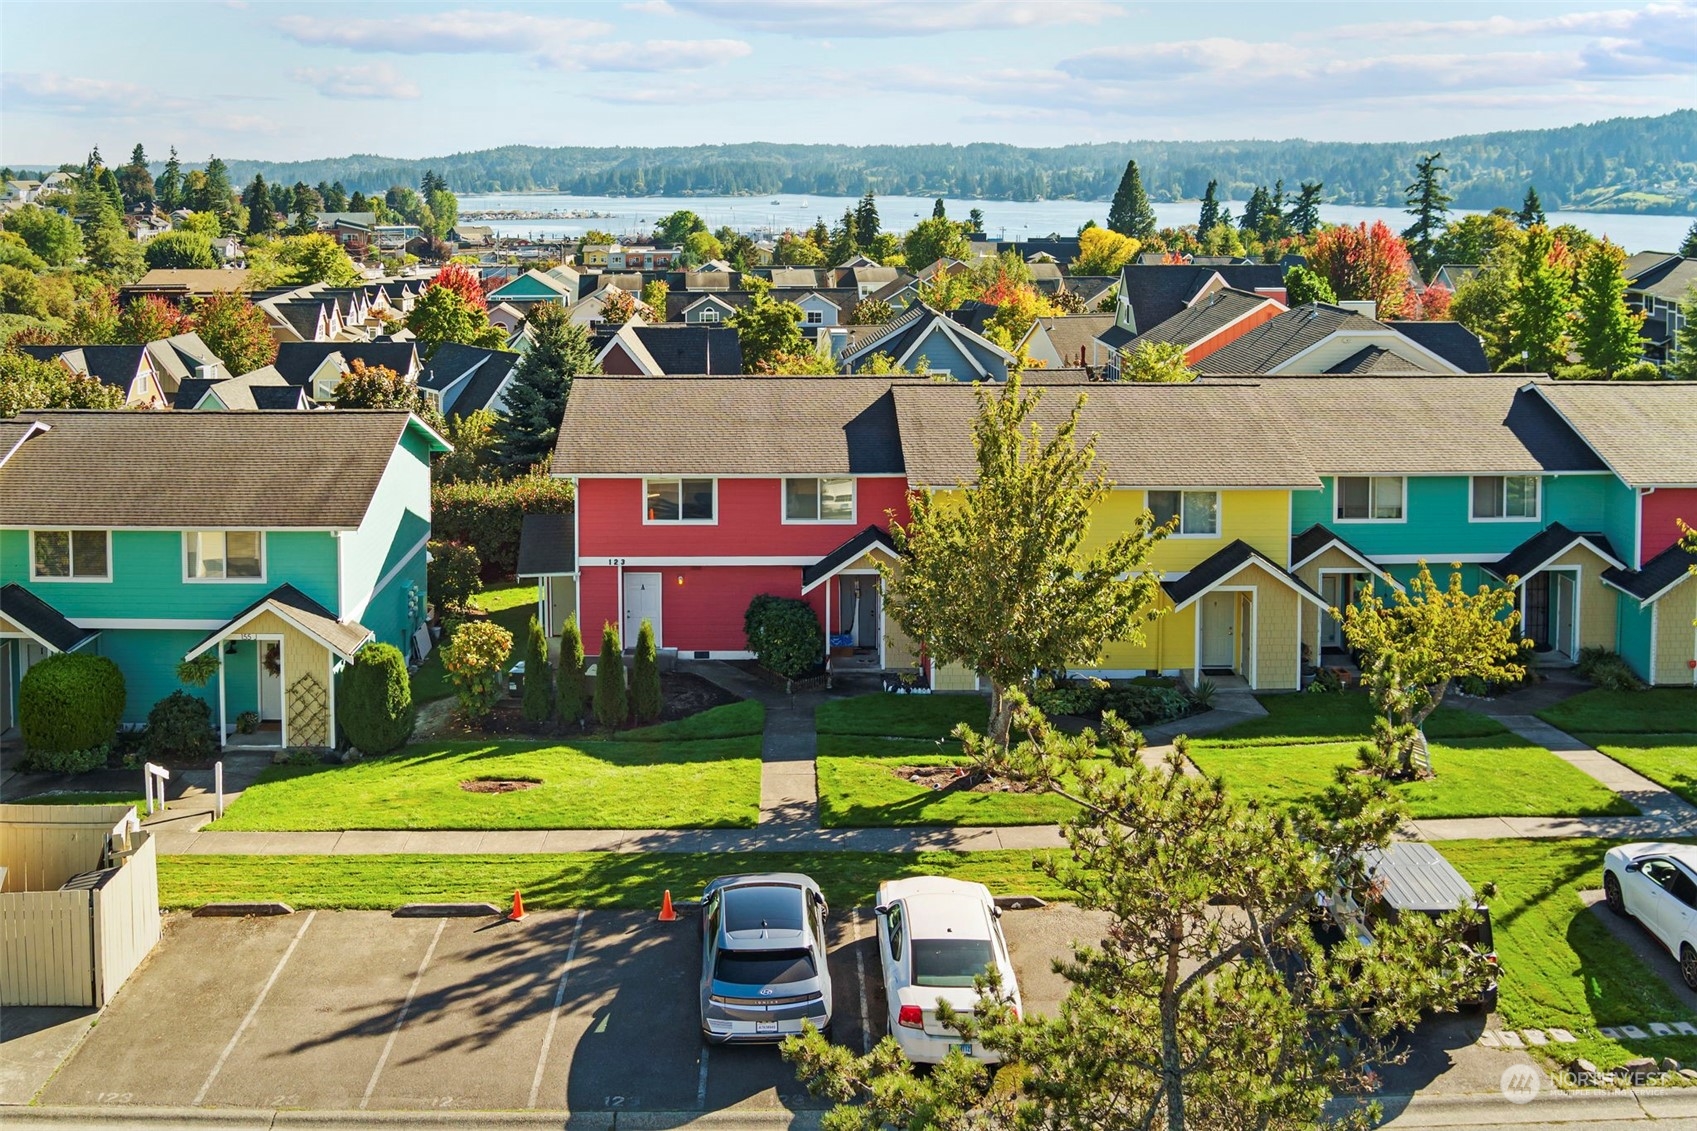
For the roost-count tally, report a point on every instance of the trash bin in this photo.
(515, 681)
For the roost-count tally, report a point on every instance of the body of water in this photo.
(1003, 219)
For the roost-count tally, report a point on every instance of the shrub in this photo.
(784, 635)
(1607, 669)
(1136, 705)
(70, 702)
(66, 761)
(611, 709)
(180, 726)
(538, 677)
(376, 702)
(488, 516)
(569, 679)
(473, 658)
(454, 575)
(645, 697)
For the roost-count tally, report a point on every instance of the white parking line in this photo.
(701, 1080)
(251, 1013)
(400, 1019)
(554, 1015)
(860, 984)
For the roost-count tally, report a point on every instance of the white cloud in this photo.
(74, 94)
(651, 8)
(660, 55)
(369, 80)
(671, 94)
(860, 19)
(460, 32)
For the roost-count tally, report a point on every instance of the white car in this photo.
(935, 936)
(1656, 884)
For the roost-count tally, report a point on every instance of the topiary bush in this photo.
(180, 726)
(569, 690)
(375, 705)
(646, 699)
(784, 635)
(473, 658)
(70, 704)
(538, 677)
(611, 706)
(453, 576)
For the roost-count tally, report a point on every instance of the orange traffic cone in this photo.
(667, 915)
(517, 912)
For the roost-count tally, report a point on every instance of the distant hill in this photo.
(1619, 165)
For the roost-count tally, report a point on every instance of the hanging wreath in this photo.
(273, 659)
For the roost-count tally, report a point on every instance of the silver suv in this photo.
(763, 969)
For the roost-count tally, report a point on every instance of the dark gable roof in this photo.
(689, 348)
(110, 365)
(32, 614)
(274, 398)
(346, 637)
(1377, 361)
(850, 551)
(451, 362)
(1451, 341)
(302, 315)
(1647, 431)
(1204, 318)
(297, 361)
(1661, 571)
(183, 470)
(192, 390)
(547, 545)
(1278, 340)
(1315, 539)
(1667, 280)
(1552, 541)
(729, 426)
(484, 383)
(1220, 565)
(1156, 292)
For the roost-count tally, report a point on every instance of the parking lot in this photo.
(584, 1012)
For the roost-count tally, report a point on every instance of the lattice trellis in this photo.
(309, 712)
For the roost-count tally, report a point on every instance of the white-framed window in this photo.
(223, 555)
(819, 500)
(1198, 512)
(815, 317)
(711, 314)
(1371, 498)
(70, 555)
(1504, 497)
(680, 500)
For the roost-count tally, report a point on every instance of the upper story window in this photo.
(223, 555)
(1198, 512)
(819, 500)
(679, 500)
(1505, 496)
(1371, 498)
(815, 317)
(709, 315)
(70, 555)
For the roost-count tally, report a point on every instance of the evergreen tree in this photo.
(1130, 213)
(303, 207)
(219, 194)
(568, 677)
(1688, 246)
(1606, 332)
(865, 221)
(261, 220)
(536, 400)
(1255, 209)
(647, 700)
(1210, 210)
(1305, 213)
(611, 706)
(168, 189)
(134, 181)
(358, 203)
(1429, 204)
(1682, 359)
(1531, 209)
(538, 679)
(844, 242)
(938, 212)
(1539, 306)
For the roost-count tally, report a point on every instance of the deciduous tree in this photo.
(1605, 332)
(871, 312)
(1155, 363)
(49, 234)
(235, 330)
(766, 329)
(150, 318)
(1682, 358)
(441, 315)
(463, 282)
(26, 383)
(1103, 251)
(655, 292)
(296, 261)
(375, 386)
(1363, 262)
(937, 238)
(180, 249)
(1540, 301)
(617, 306)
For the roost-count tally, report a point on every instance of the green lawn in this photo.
(568, 880)
(1561, 967)
(510, 605)
(1669, 760)
(1342, 717)
(713, 783)
(86, 797)
(1475, 777)
(858, 788)
(729, 721)
(902, 716)
(1660, 710)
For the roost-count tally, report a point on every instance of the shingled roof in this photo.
(1205, 318)
(1646, 431)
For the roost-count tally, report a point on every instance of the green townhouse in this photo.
(1489, 474)
(278, 542)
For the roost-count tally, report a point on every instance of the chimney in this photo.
(1365, 306)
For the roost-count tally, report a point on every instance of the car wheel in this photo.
(1688, 964)
(1611, 892)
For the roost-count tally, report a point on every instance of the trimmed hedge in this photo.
(70, 702)
(784, 635)
(612, 706)
(570, 690)
(646, 698)
(538, 703)
(488, 516)
(180, 726)
(376, 705)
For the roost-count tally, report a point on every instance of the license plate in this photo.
(765, 1026)
(965, 1050)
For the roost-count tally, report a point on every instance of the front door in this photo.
(271, 681)
(1219, 629)
(1550, 607)
(1339, 590)
(642, 602)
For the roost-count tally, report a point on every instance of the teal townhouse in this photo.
(280, 543)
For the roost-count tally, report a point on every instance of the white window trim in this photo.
(264, 563)
(711, 314)
(680, 521)
(1179, 533)
(34, 576)
(813, 318)
(1337, 500)
(784, 501)
(1537, 514)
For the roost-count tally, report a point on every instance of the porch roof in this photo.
(1660, 574)
(305, 614)
(547, 546)
(41, 621)
(868, 539)
(1220, 567)
(1319, 538)
(1547, 545)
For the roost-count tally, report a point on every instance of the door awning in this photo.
(295, 608)
(1221, 567)
(36, 620)
(868, 539)
(1545, 547)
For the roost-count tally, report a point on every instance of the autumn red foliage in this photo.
(150, 318)
(1363, 262)
(459, 279)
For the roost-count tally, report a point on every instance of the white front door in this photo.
(271, 681)
(1563, 592)
(1219, 627)
(642, 602)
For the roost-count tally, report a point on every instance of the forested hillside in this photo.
(1624, 164)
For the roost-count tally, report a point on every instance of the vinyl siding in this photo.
(1663, 511)
(1597, 607)
(1676, 638)
(395, 524)
(149, 658)
(1634, 633)
(1257, 517)
(1619, 520)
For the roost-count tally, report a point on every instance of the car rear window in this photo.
(763, 905)
(763, 967)
(949, 962)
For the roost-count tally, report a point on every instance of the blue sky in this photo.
(250, 79)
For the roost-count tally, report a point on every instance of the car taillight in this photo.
(912, 1017)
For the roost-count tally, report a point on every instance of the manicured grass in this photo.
(1342, 717)
(729, 721)
(85, 797)
(1667, 759)
(510, 605)
(902, 716)
(1475, 777)
(858, 788)
(1561, 966)
(585, 785)
(1660, 710)
(568, 880)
